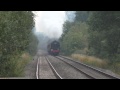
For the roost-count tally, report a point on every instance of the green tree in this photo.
(33, 44)
(104, 32)
(66, 26)
(75, 34)
(75, 39)
(15, 29)
(82, 16)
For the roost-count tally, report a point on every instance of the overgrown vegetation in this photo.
(97, 62)
(94, 33)
(75, 34)
(104, 33)
(91, 60)
(15, 65)
(15, 37)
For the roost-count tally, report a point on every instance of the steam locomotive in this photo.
(53, 48)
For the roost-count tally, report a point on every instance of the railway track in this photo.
(45, 69)
(37, 69)
(89, 71)
(67, 71)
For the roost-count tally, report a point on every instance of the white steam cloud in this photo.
(50, 23)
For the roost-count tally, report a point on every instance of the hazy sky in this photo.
(50, 22)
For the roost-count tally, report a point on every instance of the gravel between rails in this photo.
(65, 70)
(45, 71)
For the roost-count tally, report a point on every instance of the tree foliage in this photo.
(82, 16)
(75, 39)
(104, 32)
(15, 30)
(98, 31)
(33, 44)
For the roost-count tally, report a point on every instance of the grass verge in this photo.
(14, 67)
(93, 61)
(90, 60)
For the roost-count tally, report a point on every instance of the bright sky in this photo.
(50, 22)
